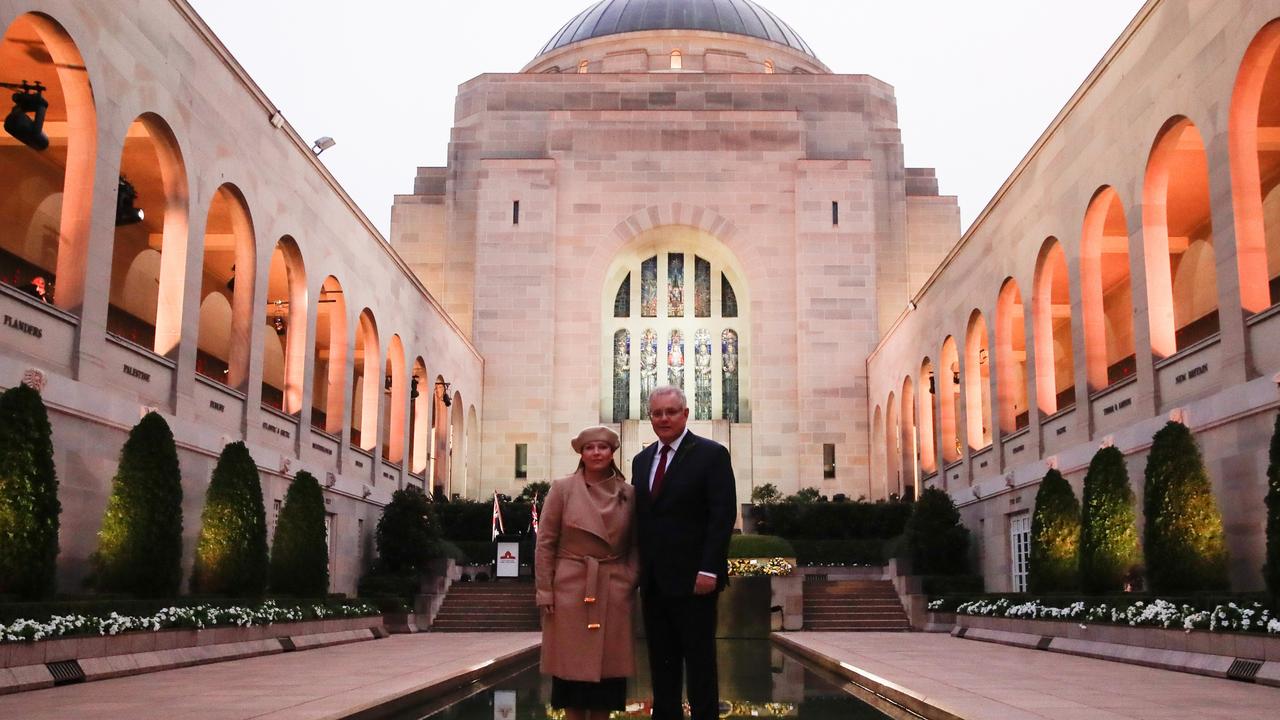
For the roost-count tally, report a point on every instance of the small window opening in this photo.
(677, 61)
(583, 65)
(515, 212)
(768, 67)
(828, 461)
(522, 461)
(835, 213)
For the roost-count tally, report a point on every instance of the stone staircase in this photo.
(506, 606)
(860, 605)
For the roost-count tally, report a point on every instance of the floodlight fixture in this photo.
(25, 121)
(322, 144)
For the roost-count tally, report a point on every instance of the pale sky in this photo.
(977, 81)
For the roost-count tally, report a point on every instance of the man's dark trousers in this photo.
(681, 633)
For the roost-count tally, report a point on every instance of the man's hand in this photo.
(704, 585)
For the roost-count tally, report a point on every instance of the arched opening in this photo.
(148, 259)
(1011, 358)
(948, 385)
(1051, 303)
(473, 452)
(1106, 295)
(893, 456)
(286, 329)
(879, 469)
(440, 407)
(395, 403)
(366, 384)
(928, 418)
(908, 440)
(977, 382)
(330, 354)
(768, 67)
(677, 60)
(1182, 286)
(46, 177)
(457, 445)
(419, 418)
(1255, 170)
(227, 271)
(583, 66)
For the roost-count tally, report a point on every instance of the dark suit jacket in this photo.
(685, 530)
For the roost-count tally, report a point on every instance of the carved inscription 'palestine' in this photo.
(131, 371)
(23, 327)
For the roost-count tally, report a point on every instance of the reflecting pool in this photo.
(757, 680)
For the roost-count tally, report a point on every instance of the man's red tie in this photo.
(661, 472)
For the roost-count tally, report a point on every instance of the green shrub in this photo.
(449, 551)
(805, 495)
(231, 552)
(29, 506)
(140, 543)
(830, 521)
(537, 489)
(407, 532)
(841, 551)
(1183, 541)
(765, 494)
(1108, 535)
(470, 520)
(477, 552)
(1272, 567)
(299, 549)
(936, 541)
(759, 546)
(1054, 560)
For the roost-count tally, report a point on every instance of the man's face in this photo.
(668, 415)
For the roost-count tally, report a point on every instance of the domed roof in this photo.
(737, 17)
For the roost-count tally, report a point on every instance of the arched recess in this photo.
(928, 419)
(366, 384)
(1051, 305)
(977, 382)
(457, 445)
(227, 270)
(330, 355)
(286, 328)
(419, 418)
(948, 386)
(45, 194)
(395, 412)
(1254, 140)
(879, 468)
(440, 435)
(1106, 293)
(1011, 358)
(473, 452)
(151, 217)
(1182, 286)
(893, 456)
(908, 440)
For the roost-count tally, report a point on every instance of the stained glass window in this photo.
(621, 373)
(702, 375)
(729, 362)
(675, 359)
(649, 288)
(675, 285)
(622, 301)
(701, 287)
(648, 369)
(728, 300)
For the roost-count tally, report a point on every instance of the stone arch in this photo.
(1051, 321)
(396, 393)
(286, 326)
(977, 382)
(1254, 128)
(366, 383)
(457, 445)
(227, 268)
(330, 358)
(1106, 292)
(928, 418)
(420, 418)
(473, 451)
(1011, 358)
(908, 438)
(893, 456)
(947, 382)
(879, 468)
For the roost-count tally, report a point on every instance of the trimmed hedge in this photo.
(231, 553)
(470, 520)
(759, 546)
(407, 532)
(1184, 542)
(1108, 534)
(299, 550)
(1272, 567)
(833, 520)
(140, 543)
(936, 541)
(845, 551)
(1054, 559)
(29, 506)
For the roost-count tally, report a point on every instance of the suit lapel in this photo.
(672, 477)
(640, 471)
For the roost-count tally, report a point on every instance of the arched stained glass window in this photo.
(649, 288)
(728, 300)
(701, 288)
(621, 371)
(675, 359)
(648, 368)
(702, 375)
(675, 285)
(622, 301)
(729, 359)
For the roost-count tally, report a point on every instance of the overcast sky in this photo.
(977, 81)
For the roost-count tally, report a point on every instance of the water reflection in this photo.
(757, 680)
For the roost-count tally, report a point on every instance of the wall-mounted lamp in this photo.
(445, 396)
(386, 383)
(413, 388)
(126, 212)
(25, 121)
(278, 323)
(322, 144)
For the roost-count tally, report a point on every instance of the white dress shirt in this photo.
(653, 470)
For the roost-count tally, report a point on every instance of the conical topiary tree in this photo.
(1183, 541)
(1108, 533)
(231, 553)
(1272, 568)
(140, 543)
(29, 506)
(299, 552)
(407, 532)
(1054, 560)
(936, 541)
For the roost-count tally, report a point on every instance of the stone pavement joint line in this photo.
(943, 677)
(322, 684)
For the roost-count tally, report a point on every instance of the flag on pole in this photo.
(497, 518)
(535, 515)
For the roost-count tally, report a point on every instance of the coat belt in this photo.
(591, 589)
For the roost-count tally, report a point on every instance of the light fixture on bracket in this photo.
(444, 397)
(413, 388)
(126, 212)
(322, 143)
(25, 121)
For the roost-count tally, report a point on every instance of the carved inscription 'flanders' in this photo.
(27, 328)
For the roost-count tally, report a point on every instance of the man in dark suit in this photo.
(685, 511)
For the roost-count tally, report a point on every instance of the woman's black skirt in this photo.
(608, 694)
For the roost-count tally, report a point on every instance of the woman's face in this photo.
(597, 456)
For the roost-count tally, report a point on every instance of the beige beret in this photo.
(599, 433)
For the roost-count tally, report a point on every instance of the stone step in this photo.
(842, 613)
(857, 627)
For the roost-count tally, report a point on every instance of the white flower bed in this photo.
(1253, 617)
(196, 616)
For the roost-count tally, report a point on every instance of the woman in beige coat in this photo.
(587, 564)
